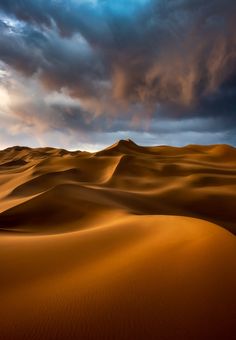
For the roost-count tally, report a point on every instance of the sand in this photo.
(128, 243)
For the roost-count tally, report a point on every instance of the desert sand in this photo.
(130, 243)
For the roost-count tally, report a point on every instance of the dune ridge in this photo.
(130, 242)
(195, 181)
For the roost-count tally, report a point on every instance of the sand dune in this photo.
(194, 181)
(127, 243)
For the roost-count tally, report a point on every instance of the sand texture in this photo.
(127, 243)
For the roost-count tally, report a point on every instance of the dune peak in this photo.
(127, 142)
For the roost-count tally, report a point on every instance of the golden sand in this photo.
(128, 243)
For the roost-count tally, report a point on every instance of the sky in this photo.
(82, 74)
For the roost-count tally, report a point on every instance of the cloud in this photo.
(124, 64)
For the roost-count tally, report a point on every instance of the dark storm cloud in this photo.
(58, 62)
(176, 58)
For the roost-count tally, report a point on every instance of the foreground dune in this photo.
(149, 277)
(118, 244)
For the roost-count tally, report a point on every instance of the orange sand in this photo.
(118, 244)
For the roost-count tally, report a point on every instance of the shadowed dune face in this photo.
(118, 244)
(49, 186)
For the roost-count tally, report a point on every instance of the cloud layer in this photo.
(88, 68)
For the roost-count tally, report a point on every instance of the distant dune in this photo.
(128, 243)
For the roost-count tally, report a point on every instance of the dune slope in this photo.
(118, 244)
(149, 277)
